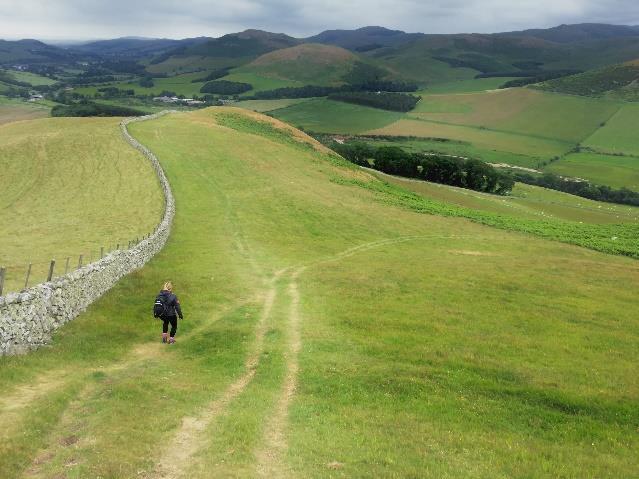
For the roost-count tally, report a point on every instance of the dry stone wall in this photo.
(28, 318)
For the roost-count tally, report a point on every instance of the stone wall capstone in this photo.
(28, 318)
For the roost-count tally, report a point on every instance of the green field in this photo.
(15, 110)
(327, 116)
(526, 201)
(619, 134)
(180, 84)
(466, 86)
(31, 78)
(70, 187)
(484, 139)
(269, 105)
(615, 171)
(520, 110)
(333, 330)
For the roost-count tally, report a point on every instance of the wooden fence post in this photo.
(26, 280)
(117, 247)
(51, 266)
(101, 252)
(66, 266)
(80, 262)
(2, 274)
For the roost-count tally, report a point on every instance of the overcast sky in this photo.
(91, 19)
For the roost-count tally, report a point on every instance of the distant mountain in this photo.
(32, 51)
(363, 39)
(249, 43)
(582, 32)
(134, 47)
(229, 50)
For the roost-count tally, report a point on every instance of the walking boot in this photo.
(171, 340)
(164, 336)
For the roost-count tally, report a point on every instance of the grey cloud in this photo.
(107, 19)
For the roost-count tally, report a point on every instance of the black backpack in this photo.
(159, 307)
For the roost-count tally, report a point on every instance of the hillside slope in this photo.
(617, 81)
(308, 63)
(331, 329)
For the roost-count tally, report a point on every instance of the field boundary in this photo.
(28, 318)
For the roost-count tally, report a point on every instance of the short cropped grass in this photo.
(70, 186)
(521, 110)
(485, 139)
(327, 116)
(431, 346)
(466, 86)
(269, 105)
(619, 134)
(615, 171)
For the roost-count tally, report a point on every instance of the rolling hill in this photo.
(227, 51)
(335, 325)
(133, 47)
(617, 81)
(363, 39)
(33, 51)
(580, 32)
(308, 63)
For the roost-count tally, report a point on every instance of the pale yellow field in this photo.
(70, 186)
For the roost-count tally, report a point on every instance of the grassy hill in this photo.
(333, 328)
(70, 187)
(617, 81)
(33, 51)
(227, 51)
(308, 64)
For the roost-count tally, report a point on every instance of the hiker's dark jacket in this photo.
(172, 305)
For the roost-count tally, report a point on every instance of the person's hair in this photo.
(168, 286)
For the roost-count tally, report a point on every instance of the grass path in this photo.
(328, 334)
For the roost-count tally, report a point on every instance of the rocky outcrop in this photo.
(28, 318)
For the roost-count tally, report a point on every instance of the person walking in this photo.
(169, 306)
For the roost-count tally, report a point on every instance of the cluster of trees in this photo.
(225, 87)
(147, 82)
(214, 75)
(465, 173)
(309, 91)
(113, 92)
(594, 83)
(87, 108)
(365, 77)
(474, 61)
(584, 189)
(385, 101)
(528, 73)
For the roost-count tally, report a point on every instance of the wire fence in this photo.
(15, 278)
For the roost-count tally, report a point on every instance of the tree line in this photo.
(383, 100)
(585, 189)
(87, 108)
(225, 87)
(465, 173)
